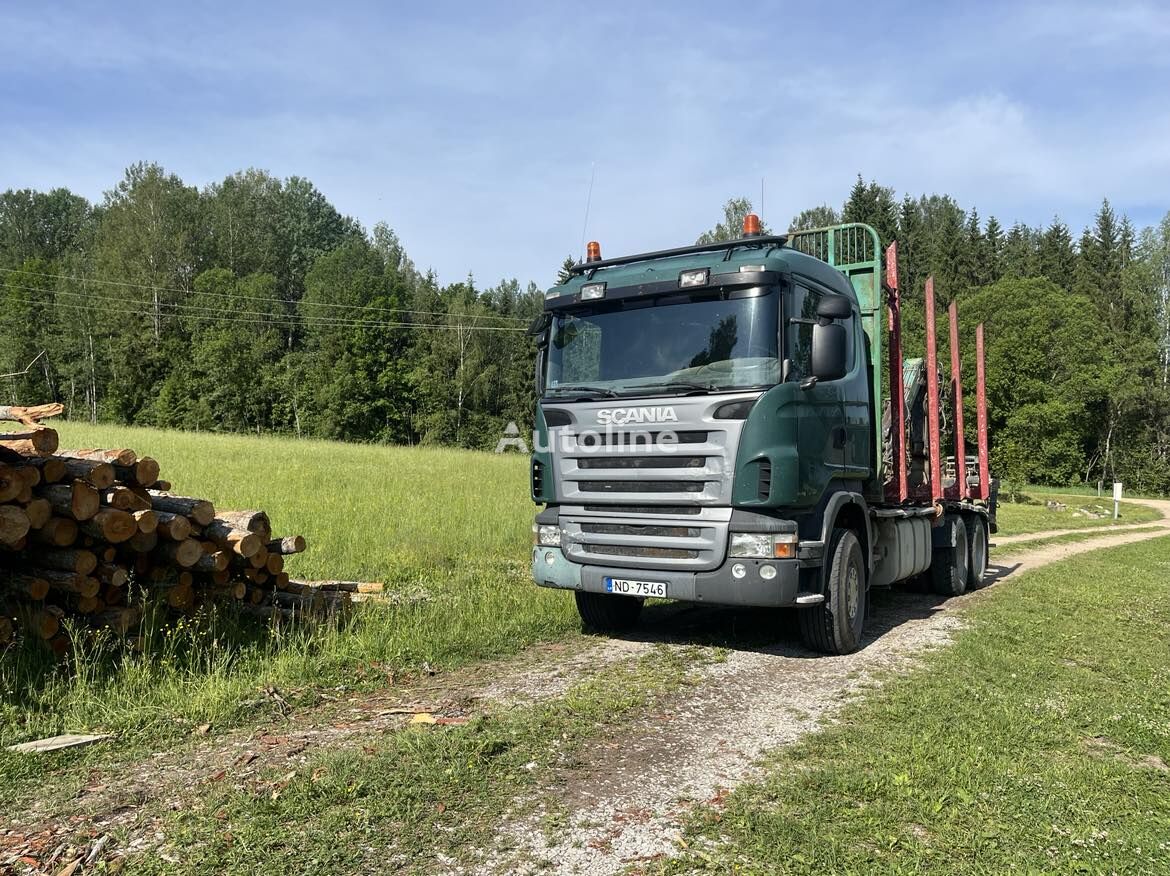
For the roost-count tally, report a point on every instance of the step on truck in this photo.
(712, 426)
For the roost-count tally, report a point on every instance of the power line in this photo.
(279, 323)
(282, 321)
(270, 300)
(180, 309)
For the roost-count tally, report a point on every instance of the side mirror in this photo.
(829, 351)
(540, 324)
(834, 307)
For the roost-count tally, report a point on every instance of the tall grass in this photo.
(449, 531)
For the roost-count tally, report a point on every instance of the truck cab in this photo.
(708, 429)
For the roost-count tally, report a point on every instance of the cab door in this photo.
(821, 433)
(857, 410)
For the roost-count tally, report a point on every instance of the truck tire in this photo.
(606, 613)
(834, 626)
(948, 565)
(976, 550)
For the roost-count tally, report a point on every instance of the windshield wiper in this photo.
(599, 390)
(675, 384)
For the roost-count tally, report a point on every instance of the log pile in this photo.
(95, 537)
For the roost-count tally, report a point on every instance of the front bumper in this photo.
(550, 568)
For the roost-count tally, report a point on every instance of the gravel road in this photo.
(628, 801)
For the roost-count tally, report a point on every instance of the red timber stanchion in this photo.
(962, 491)
(899, 489)
(981, 415)
(935, 445)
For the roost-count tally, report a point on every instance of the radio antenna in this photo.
(588, 201)
(761, 197)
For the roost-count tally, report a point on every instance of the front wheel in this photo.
(834, 626)
(607, 613)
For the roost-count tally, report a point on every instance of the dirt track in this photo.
(626, 803)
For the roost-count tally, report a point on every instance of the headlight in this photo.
(549, 536)
(762, 545)
(750, 544)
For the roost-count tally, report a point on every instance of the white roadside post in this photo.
(1116, 499)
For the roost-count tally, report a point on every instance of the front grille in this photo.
(641, 462)
(617, 550)
(640, 486)
(537, 478)
(636, 529)
(691, 467)
(693, 510)
(645, 439)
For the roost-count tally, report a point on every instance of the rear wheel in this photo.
(948, 566)
(976, 550)
(606, 613)
(834, 626)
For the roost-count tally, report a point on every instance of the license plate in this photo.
(626, 587)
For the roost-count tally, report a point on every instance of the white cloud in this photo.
(476, 144)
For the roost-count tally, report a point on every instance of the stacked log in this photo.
(91, 539)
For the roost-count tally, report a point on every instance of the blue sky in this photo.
(472, 128)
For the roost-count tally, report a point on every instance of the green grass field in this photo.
(1039, 742)
(1032, 515)
(449, 530)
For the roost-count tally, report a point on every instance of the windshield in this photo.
(666, 345)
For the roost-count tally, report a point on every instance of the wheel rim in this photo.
(852, 591)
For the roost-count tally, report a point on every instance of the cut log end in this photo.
(146, 471)
(14, 524)
(290, 544)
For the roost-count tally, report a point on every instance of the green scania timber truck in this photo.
(711, 428)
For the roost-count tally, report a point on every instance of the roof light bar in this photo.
(592, 291)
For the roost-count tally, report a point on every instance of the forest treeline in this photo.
(251, 305)
(1078, 330)
(255, 305)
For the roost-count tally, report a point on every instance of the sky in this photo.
(475, 129)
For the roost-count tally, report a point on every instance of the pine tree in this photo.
(1131, 351)
(874, 205)
(971, 263)
(993, 250)
(911, 245)
(946, 244)
(1056, 254)
(565, 273)
(859, 205)
(1020, 258)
